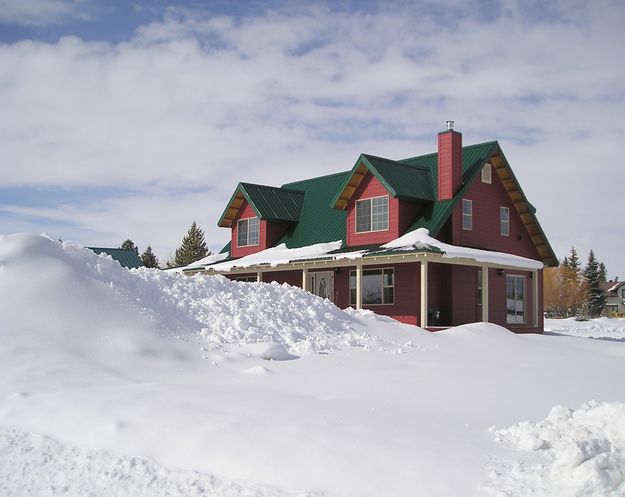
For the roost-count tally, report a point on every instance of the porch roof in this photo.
(412, 246)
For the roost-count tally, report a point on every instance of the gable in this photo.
(269, 203)
(403, 181)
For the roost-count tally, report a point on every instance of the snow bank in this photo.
(36, 465)
(574, 453)
(605, 328)
(86, 298)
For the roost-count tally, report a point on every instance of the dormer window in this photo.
(248, 232)
(487, 174)
(372, 214)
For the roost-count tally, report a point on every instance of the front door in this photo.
(322, 284)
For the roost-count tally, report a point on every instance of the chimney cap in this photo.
(450, 125)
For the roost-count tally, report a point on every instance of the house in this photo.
(127, 258)
(614, 293)
(436, 240)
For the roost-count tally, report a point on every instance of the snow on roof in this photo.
(417, 240)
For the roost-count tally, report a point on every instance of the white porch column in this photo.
(359, 286)
(485, 293)
(259, 276)
(424, 294)
(305, 279)
(535, 295)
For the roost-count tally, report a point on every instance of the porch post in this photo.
(424, 294)
(359, 286)
(305, 278)
(535, 295)
(485, 293)
(259, 276)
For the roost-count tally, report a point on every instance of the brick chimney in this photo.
(449, 162)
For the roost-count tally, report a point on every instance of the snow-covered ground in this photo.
(602, 328)
(134, 383)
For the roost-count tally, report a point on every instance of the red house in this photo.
(437, 240)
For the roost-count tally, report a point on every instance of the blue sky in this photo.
(132, 119)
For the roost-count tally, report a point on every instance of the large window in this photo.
(504, 221)
(372, 214)
(248, 232)
(378, 286)
(515, 298)
(467, 214)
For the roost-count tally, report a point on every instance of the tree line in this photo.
(192, 249)
(571, 290)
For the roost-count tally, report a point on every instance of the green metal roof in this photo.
(473, 159)
(127, 258)
(269, 203)
(409, 182)
(319, 221)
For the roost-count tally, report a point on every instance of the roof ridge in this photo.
(316, 178)
(464, 147)
(398, 162)
(269, 187)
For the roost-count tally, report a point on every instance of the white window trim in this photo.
(352, 272)
(469, 216)
(388, 215)
(247, 237)
(524, 299)
(487, 174)
(504, 222)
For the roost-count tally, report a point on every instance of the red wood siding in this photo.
(293, 278)
(370, 187)
(487, 199)
(270, 233)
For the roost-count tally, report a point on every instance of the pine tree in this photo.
(193, 247)
(572, 262)
(603, 273)
(595, 302)
(130, 245)
(149, 259)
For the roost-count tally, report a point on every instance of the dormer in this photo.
(259, 216)
(381, 198)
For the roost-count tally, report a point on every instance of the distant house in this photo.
(363, 238)
(127, 258)
(614, 293)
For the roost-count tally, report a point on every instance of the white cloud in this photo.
(198, 101)
(42, 12)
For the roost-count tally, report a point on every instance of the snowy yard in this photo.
(149, 383)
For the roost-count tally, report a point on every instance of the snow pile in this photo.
(36, 465)
(604, 328)
(574, 453)
(93, 297)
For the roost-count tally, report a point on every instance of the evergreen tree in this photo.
(595, 303)
(193, 247)
(603, 273)
(149, 259)
(572, 262)
(130, 245)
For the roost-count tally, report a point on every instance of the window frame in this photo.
(352, 273)
(488, 177)
(247, 232)
(504, 222)
(516, 277)
(371, 230)
(467, 215)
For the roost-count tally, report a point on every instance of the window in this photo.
(248, 232)
(467, 214)
(515, 298)
(372, 214)
(378, 286)
(248, 279)
(504, 221)
(486, 174)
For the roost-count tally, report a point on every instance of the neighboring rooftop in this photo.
(127, 258)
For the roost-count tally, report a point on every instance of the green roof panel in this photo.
(127, 258)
